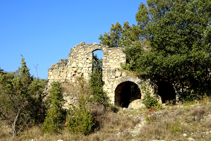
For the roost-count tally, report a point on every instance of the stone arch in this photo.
(126, 92)
(94, 48)
(166, 92)
(102, 48)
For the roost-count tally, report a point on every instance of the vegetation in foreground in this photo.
(21, 99)
(190, 120)
(25, 105)
(90, 121)
(170, 43)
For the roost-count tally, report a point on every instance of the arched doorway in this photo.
(125, 93)
(167, 92)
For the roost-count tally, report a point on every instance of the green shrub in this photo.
(150, 101)
(113, 108)
(55, 115)
(96, 83)
(80, 119)
(177, 127)
(21, 99)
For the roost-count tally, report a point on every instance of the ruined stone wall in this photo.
(80, 63)
(58, 72)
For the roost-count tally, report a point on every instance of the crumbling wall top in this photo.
(61, 63)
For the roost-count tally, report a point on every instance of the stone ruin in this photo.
(117, 82)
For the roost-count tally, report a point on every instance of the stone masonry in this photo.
(80, 63)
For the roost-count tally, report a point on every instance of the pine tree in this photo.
(80, 119)
(178, 51)
(55, 115)
(120, 36)
(97, 83)
(17, 99)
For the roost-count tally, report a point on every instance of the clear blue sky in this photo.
(44, 31)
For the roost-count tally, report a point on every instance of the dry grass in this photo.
(5, 130)
(171, 123)
(110, 124)
(174, 122)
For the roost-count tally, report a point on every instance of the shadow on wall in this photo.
(167, 92)
(125, 93)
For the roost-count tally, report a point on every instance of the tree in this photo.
(18, 104)
(55, 115)
(80, 119)
(179, 52)
(112, 39)
(120, 36)
(97, 83)
(177, 33)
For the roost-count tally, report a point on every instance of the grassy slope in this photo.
(190, 120)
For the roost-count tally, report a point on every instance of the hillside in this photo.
(190, 121)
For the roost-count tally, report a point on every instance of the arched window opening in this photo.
(125, 93)
(167, 92)
(96, 79)
(97, 60)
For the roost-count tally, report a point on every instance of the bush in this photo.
(150, 101)
(21, 99)
(96, 83)
(55, 115)
(80, 119)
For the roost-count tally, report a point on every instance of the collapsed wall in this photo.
(80, 63)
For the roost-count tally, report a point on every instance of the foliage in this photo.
(120, 36)
(168, 124)
(80, 119)
(132, 55)
(177, 127)
(55, 115)
(150, 101)
(181, 51)
(21, 98)
(173, 44)
(96, 83)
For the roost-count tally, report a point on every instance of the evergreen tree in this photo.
(17, 99)
(80, 119)
(173, 43)
(180, 51)
(55, 115)
(120, 36)
(127, 37)
(97, 83)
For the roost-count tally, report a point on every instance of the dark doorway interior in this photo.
(167, 92)
(125, 93)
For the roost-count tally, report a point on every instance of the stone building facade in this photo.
(117, 81)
